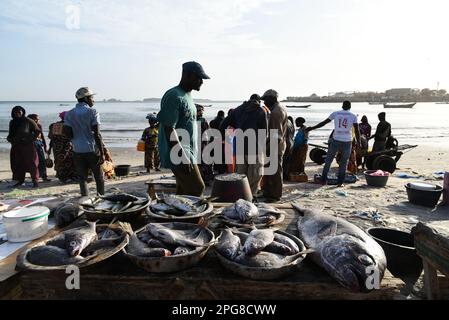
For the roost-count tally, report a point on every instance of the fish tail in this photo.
(126, 227)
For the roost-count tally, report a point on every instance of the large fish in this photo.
(228, 244)
(258, 240)
(75, 240)
(185, 238)
(138, 248)
(265, 260)
(51, 256)
(246, 210)
(346, 252)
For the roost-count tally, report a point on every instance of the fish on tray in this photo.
(74, 241)
(257, 248)
(245, 212)
(162, 243)
(178, 206)
(115, 203)
(346, 252)
(51, 256)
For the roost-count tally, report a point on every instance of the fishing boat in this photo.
(63, 104)
(303, 107)
(442, 102)
(373, 103)
(399, 106)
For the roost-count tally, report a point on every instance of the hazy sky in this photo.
(134, 49)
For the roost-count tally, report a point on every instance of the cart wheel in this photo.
(384, 163)
(312, 154)
(319, 156)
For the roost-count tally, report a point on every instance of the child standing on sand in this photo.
(150, 136)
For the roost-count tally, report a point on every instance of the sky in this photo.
(134, 49)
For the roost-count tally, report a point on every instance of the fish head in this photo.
(75, 244)
(347, 259)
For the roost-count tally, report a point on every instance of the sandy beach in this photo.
(390, 202)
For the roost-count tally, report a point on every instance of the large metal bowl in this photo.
(187, 218)
(173, 263)
(103, 254)
(264, 273)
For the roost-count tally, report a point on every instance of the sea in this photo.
(122, 123)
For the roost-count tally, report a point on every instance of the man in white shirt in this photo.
(341, 140)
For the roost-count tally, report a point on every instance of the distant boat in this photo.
(442, 102)
(63, 104)
(399, 106)
(375, 102)
(303, 107)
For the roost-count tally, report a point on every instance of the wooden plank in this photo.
(430, 281)
(118, 278)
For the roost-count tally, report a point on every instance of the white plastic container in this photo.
(26, 224)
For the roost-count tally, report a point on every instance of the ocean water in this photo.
(123, 123)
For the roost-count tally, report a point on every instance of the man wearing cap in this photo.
(278, 122)
(177, 119)
(81, 124)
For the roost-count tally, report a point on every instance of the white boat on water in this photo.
(399, 105)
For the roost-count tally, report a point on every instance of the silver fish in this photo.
(274, 247)
(75, 240)
(346, 252)
(138, 248)
(51, 256)
(185, 238)
(286, 241)
(228, 244)
(258, 240)
(246, 210)
(231, 213)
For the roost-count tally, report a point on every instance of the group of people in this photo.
(75, 140)
(78, 147)
(178, 111)
(30, 152)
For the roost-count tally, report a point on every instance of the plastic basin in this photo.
(427, 198)
(375, 181)
(399, 248)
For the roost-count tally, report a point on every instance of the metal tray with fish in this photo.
(171, 208)
(244, 214)
(115, 206)
(46, 256)
(266, 273)
(170, 233)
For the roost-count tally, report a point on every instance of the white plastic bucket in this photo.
(26, 224)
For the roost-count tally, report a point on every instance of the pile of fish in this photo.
(115, 203)
(258, 248)
(164, 240)
(73, 246)
(179, 206)
(346, 252)
(245, 212)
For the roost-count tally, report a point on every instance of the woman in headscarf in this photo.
(22, 133)
(62, 152)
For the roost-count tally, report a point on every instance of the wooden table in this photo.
(118, 278)
(433, 248)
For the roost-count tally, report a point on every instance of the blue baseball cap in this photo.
(196, 68)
